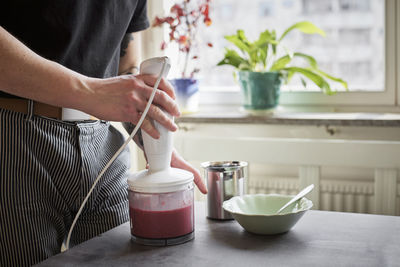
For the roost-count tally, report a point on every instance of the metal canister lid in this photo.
(223, 166)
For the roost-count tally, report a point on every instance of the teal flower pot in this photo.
(260, 90)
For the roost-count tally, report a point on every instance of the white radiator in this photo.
(348, 196)
(380, 195)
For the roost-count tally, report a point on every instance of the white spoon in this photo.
(302, 193)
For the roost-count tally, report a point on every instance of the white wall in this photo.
(355, 169)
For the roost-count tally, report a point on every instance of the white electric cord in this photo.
(66, 247)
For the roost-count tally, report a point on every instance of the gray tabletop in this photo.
(320, 238)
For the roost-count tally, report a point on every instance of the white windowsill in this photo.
(295, 115)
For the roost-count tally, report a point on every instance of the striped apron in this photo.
(47, 167)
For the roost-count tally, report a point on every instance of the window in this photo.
(359, 47)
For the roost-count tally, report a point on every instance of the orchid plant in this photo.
(183, 21)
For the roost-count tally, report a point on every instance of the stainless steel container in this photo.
(224, 179)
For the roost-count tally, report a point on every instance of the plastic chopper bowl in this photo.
(257, 213)
(161, 207)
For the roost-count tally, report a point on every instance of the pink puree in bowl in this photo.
(161, 224)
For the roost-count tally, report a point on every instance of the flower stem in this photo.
(188, 40)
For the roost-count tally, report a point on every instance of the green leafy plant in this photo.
(262, 56)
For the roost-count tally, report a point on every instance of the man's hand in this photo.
(178, 162)
(124, 98)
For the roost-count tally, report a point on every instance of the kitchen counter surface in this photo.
(320, 238)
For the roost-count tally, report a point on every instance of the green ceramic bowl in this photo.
(257, 213)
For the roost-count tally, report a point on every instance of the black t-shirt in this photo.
(82, 35)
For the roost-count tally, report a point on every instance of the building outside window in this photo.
(359, 46)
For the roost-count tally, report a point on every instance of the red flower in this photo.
(163, 45)
(207, 21)
(182, 39)
(185, 49)
(169, 20)
(157, 22)
(183, 20)
(205, 9)
(177, 9)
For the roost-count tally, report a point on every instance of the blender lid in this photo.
(169, 180)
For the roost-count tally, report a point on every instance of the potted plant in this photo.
(261, 71)
(183, 21)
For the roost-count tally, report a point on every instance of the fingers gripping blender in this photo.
(161, 206)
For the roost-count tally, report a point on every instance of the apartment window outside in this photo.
(354, 48)
(360, 47)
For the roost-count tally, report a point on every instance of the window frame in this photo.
(390, 97)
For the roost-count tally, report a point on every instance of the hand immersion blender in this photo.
(161, 198)
(161, 205)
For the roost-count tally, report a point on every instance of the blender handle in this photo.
(158, 151)
(154, 65)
